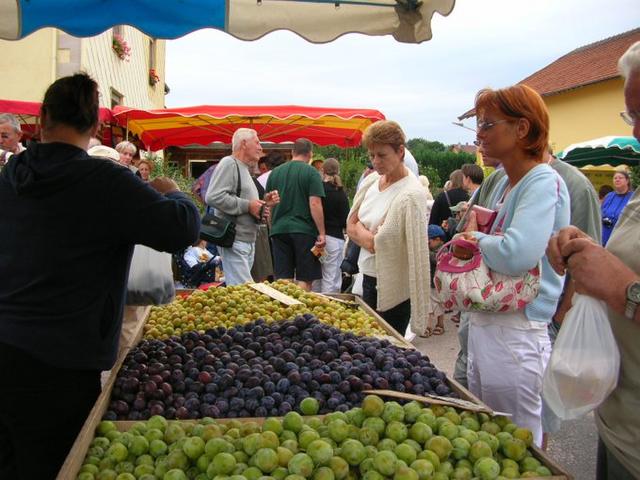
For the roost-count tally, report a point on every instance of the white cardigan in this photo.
(402, 251)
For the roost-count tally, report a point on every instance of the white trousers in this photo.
(505, 367)
(331, 275)
(237, 262)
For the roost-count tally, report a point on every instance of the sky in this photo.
(425, 87)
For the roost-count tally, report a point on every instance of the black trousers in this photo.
(42, 410)
(398, 317)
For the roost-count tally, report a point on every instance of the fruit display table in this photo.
(383, 362)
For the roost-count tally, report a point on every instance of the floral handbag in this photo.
(464, 282)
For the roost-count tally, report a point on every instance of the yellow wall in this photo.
(586, 113)
(28, 66)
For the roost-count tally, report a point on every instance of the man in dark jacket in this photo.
(61, 305)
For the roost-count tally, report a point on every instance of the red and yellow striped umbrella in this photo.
(206, 124)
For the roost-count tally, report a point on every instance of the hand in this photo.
(254, 208)
(367, 237)
(558, 242)
(320, 241)
(164, 185)
(468, 236)
(597, 272)
(272, 198)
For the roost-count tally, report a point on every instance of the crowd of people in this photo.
(293, 220)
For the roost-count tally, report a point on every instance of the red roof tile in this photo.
(583, 66)
(466, 148)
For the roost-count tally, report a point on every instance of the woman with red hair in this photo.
(508, 352)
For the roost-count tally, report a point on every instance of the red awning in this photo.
(32, 109)
(206, 124)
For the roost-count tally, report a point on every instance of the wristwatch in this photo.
(633, 300)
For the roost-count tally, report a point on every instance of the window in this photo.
(153, 46)
(116, 97)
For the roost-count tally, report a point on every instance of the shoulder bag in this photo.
(217, 229)
(466, 283)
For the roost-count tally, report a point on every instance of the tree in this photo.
(423, 143)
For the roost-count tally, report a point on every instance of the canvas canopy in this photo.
(206, 124)
(318, 21)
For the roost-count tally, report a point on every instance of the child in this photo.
(437, 238)
(201, 262)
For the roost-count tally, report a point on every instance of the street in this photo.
(573, 447)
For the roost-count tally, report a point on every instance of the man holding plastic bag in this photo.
(613, 276)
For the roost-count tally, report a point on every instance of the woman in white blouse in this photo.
(389, 221)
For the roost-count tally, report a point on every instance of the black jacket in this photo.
(69, 224)
(335, 206)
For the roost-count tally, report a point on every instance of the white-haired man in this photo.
(613, 275)
(246, 210)
(10, 135)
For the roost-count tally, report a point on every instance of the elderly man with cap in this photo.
(10, 135)
(450, 225)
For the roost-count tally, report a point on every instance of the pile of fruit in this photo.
(380, 440)
(264, 369)
(240, 304)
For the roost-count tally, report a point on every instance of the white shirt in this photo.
(262, 179)
(195, 255)
(371, 214)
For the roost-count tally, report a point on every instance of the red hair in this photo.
(519, 101)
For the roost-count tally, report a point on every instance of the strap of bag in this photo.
(445, 255)
(238, 188)
(446, 195)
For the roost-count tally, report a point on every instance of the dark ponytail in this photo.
(72, 101)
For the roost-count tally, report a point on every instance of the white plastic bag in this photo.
(150, 278)
(585, 362)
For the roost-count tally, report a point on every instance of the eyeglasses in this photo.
(629, 118)
(484, 126)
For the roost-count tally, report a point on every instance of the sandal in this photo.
(455, 319)
(427, 333)
(438, 330)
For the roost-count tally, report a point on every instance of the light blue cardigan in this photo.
(536, 207)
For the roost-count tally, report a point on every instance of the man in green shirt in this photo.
(298, 221)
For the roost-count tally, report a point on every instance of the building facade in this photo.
(133, 76)
(583, 91)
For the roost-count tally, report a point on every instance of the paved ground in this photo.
(573, 447)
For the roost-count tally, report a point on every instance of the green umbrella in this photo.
(610, 150)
